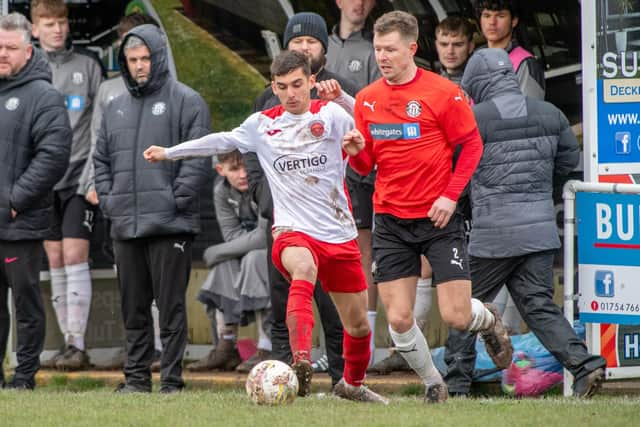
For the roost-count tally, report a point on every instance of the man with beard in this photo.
(307, 33)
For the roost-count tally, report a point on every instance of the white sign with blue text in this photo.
(609, 257)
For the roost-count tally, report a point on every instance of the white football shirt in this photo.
(303, 161)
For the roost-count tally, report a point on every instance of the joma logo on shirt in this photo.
(395, 131)
(300, 162)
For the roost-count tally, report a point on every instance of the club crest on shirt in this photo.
(413, 109)
(77, 78)
(12, 104)
(158, 108)
(355, 65)
(316, 128)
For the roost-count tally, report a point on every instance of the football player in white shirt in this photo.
(299, 145)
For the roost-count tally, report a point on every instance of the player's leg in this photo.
(398, 267)
(293, 256)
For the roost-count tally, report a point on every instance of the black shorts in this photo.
(72, 216)
(398, 244)
(361, 195)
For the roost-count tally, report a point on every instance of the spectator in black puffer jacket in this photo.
(35, 144)
(514, 236)
(154, 209)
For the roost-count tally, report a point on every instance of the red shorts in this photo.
(339, 267)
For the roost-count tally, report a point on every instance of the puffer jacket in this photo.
(143, 199)
(526, 142)
(35, 142)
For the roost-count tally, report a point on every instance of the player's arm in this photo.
(459, 126)
(358, 145)
(241, 138)
(330, 90)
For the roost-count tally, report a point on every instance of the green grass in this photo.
(204, 408)
(226, 82)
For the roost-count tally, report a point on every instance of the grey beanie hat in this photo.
(306, 24)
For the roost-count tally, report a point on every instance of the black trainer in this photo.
(126, 388)
(588, 385)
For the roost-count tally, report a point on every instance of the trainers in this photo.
(20, 385)
(395, 362)
(436, 393)
(497, 341)
(170, 389)
(304, 372)
(358, 394)
(51, 362)
(321, 365)
(155, 362)
(125, 388)
(73, 359)
(259, 356)
(224, 357)
(589, 384)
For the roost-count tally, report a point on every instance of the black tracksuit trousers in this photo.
(20, 263)
(154, 268)
(529, 279)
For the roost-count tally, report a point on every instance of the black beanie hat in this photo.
(306, 24)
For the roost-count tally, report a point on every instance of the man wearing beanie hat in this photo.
(307, 33)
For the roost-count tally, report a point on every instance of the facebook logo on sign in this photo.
(623, 142)
(604, 284)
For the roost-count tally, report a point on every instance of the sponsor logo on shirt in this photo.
(300, 163)
(395, 131)
(12, 104)
(74, 102)
(413, 109)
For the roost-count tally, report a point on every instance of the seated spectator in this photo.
(237, 284)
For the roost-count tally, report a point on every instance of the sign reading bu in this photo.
(609, 257)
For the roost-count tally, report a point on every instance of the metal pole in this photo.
(569, 197)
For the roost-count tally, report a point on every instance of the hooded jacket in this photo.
(526, 142)
(140, 198)
(34, 147)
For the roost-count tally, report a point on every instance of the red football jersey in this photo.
(411, 131)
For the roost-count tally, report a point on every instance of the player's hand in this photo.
(14, 213)
(154, 154)
(328, 90)
(353, 142)
(441, 211)
(92, 197)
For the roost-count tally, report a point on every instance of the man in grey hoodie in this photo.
(36, 137)
(514, 236)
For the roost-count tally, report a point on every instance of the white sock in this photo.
(264, 342)
(481, 317)
(422, 306)
(59, 298)
(155, 314)
(413, 347)
(79, 302)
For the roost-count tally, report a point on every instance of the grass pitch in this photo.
(88, 403)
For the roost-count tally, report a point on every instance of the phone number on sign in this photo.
(615, 306)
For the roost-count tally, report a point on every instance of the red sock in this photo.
(356, 353)
(300, 318)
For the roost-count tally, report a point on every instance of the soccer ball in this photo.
(272, 382)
